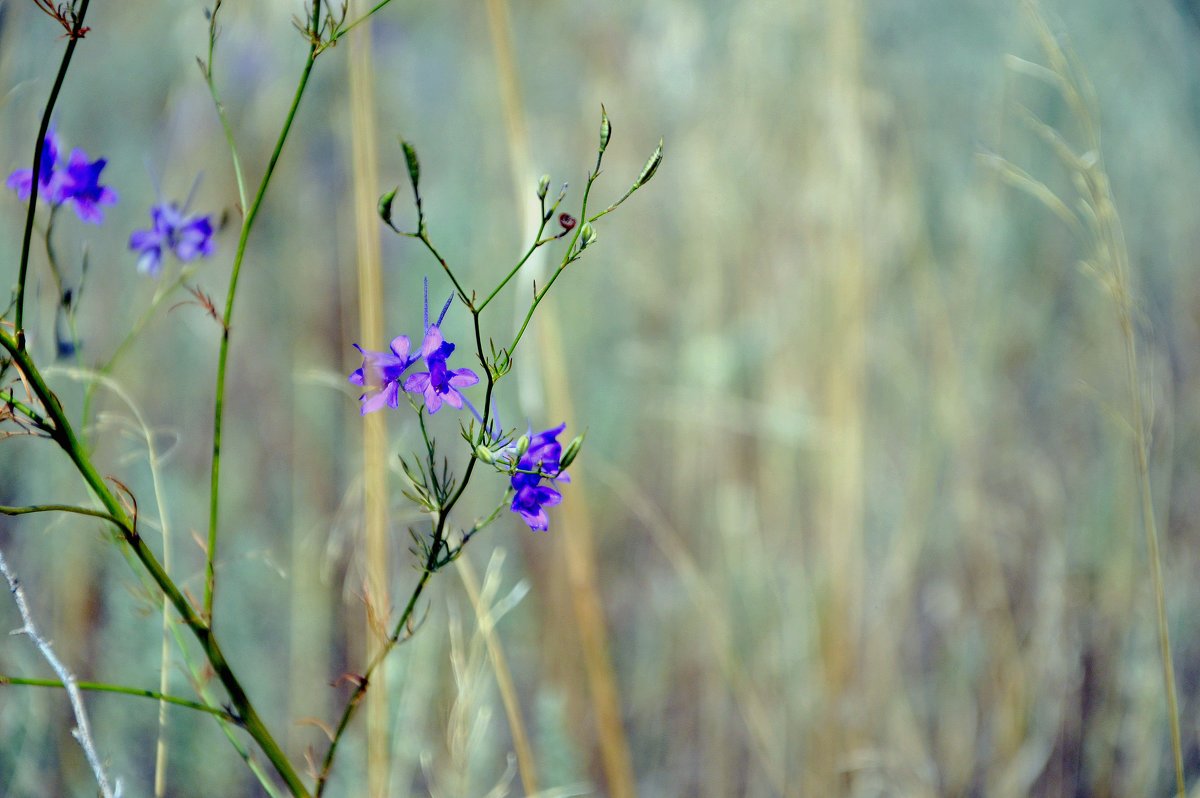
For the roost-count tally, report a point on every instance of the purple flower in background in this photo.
(382, 371)
(82, 187)
(49, 181)
(172, 230)
(79, 182)
(441, 383)
(543, 456)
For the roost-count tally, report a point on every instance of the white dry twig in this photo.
(82, 732)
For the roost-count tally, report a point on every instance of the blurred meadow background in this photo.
(858, 512)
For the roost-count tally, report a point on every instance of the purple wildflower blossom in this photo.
(382, 371)
(78, 183)
(188, 237)
(441, 383)
(82, 187)
(49, 181)
(543, 455)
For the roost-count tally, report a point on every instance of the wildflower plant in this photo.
(523, 473)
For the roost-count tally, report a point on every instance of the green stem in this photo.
(65, 436)
(103, 687)
(537, 242)
(214, 502)
(73, 37)
(212, 90)
(59, 508)
(570, 255)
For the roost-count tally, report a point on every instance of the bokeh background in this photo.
(858, 511)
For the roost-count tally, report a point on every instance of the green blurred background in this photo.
(858, 512)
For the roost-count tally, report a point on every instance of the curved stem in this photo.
(73, 38)
(104, 687)
(214, 502)
(59, 508)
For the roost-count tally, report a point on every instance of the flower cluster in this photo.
(172, 230)
(541, 460)
(381, 371)
(77, 181)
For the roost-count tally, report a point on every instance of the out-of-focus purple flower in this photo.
(49, 180)
(78, 182)
(543, 458)
(382, 371)
(441, 383)
(172, 230)
(82, 187)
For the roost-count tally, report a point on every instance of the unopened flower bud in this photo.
(522, 445)
(543, 186)
(586, 236)
(385, 206)
(410, 160)
(605, 128)
(571, 452)
(485, 454)
(651, 167)
(567, 222)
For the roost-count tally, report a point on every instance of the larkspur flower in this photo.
(542, 458)
(78, 183)
(82, 187)
(172, 230)
(440, 383)
(49, 180)
(381, 371)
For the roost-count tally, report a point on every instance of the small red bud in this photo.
(567, 221)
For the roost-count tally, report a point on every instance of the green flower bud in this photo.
(522, 445)
(605, 128)
(543, 186)
(586, 236)
(651, 167)
(385, 206)
(572, 451)
(485, 454)
(414, 166)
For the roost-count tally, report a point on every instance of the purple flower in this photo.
(78, 183)
(441, 383)
(542, 457)
(82, 187)
(382, 371)
(49, 181)
(188, 237)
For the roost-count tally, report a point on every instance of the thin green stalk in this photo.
(223, 357)
(64, 435)
(570, 255)
(59, 508)
(73, 37)
(104, 687)
(225, 126)
(537, 242)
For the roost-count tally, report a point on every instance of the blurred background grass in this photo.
(857, 513)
